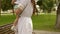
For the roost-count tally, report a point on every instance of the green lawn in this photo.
(6, 19)
(41, 22)
(44, 22)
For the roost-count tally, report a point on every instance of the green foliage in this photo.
(46, 4)
(6, 4)
(39, 2)
(6, 19)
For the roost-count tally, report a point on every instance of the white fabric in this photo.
(22, 2)
(24, 25)
(21, 6)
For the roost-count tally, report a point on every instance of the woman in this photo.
(23, 22)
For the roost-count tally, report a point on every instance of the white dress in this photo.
(24, 25)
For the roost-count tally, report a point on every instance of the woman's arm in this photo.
(17, 12)
(21, 6)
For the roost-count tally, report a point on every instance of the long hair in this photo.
(34, 6)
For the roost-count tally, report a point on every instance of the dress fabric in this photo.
(24, 25)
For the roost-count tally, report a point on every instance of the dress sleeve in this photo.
(22, 3)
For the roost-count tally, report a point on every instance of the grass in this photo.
(44, 22)
(6, 19)
(41, 22)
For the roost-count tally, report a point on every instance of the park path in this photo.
(45, 32)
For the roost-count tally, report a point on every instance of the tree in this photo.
(0, 7)
(6, 5)
(58, 17)
(46, 5)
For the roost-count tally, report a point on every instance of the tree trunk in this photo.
(58, 17)
(0, 7)
(12, 9)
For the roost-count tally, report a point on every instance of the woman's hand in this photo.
(12, 28)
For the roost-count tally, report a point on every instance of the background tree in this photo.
(58, 16)
(6, 5)
(0, 7)
(46, 5)
(40, 4)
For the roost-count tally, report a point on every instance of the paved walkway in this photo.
(45, 32)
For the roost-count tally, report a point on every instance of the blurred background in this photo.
(46, 16)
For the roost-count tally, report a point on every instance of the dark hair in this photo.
(34, 6)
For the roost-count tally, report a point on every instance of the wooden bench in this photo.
(6, 29)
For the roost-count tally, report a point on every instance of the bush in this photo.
(6, 5)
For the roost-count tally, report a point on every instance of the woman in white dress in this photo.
(23, 21)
